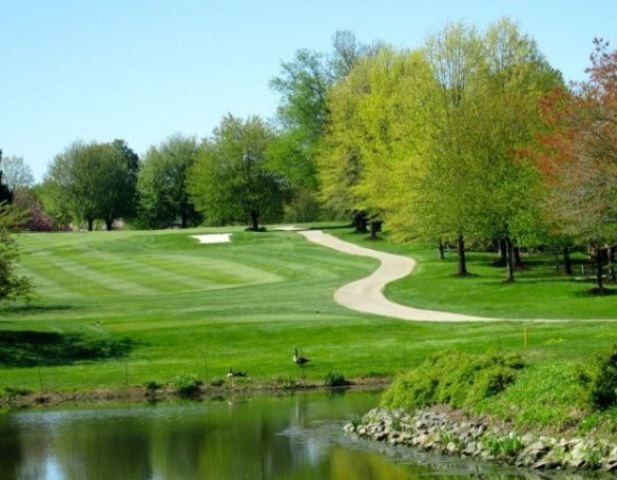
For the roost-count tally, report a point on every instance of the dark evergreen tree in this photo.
(6, 195)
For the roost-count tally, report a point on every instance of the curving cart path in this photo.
(366, 295)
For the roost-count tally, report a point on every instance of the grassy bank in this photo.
(564, 399)
(142, 306)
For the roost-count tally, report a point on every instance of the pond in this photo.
(292, 436)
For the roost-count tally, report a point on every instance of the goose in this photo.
(232, 374)
(299, 359)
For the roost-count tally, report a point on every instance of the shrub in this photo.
(187, 385)
(16, 391)
(356, 420)
(603, 390)
(500, 446)
(593, 457)
(455, 379)
(217, 382)
(334, 379)
(446, 437)
(550, 395)
(286, 382)
(153, 385)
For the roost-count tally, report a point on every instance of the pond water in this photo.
(294, 436)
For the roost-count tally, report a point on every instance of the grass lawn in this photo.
(540, 291)
(200, 309)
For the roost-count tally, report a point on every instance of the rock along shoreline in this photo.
(439, 429)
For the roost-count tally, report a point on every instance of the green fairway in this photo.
(200, 309)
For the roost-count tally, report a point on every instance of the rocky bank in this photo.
(453, 434)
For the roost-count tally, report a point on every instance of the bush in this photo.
(334, 379)
(603, 393)
(217, 382)
(547, 394)
(286, 382)
(153, 385)
(12, 392)
(303, 207)
(187, 385)
(501, 446)
(455, 379)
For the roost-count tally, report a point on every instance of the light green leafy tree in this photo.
(517, 77)
(377, 138)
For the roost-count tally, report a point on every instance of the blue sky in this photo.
(143, 70)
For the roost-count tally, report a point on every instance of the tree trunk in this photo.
(462, 261)
(567, 261)
(611, 261)
(374, 230)
(254, 221)
(509, 260)
(599, 269)
(183, 220)
(109, 224)
(90, 224)
(503, 254)
(442, 251)
(360, 222)
(518, 263)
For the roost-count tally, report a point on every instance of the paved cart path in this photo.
(366, 295)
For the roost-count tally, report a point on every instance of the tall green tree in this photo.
(478, 183)
(16, 173)
(303, 85)
(118, 183)
(231, 180)
(451, 189)
(94, 181)
(6, 194)
(517, 77)
(303, 112)
(163, 183)
(12, 284)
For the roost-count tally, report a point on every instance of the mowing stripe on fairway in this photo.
(93, 279)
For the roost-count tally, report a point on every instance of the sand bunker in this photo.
(213, 238)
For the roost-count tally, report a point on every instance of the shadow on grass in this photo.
(536, 280)
(468, 275)
(335, 227)
(26, 348)
(31, 307)
(597, 292)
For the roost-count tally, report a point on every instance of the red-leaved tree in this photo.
(579, 158)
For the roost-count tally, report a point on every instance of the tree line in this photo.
(471, 139)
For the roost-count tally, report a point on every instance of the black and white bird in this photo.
(232, 374)
(299, 359)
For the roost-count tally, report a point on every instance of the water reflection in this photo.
(260, 437)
